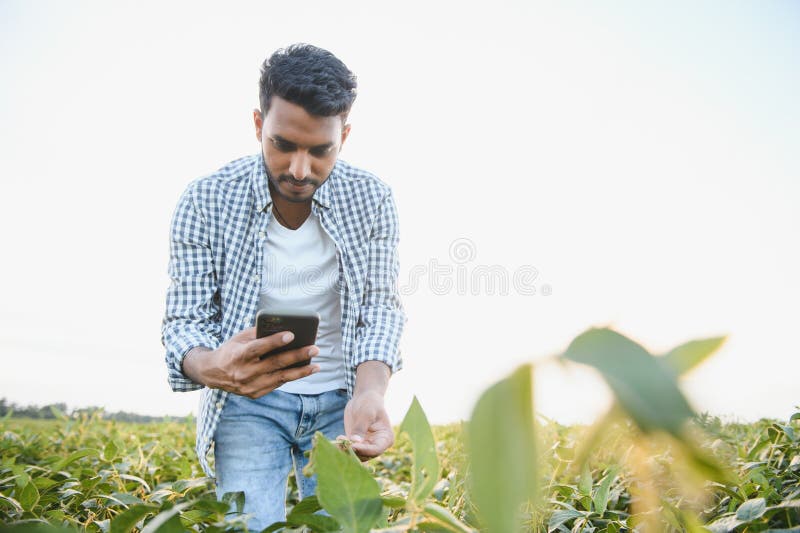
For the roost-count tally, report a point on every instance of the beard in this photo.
(288, 180)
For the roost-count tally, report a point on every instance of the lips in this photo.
(297, 186)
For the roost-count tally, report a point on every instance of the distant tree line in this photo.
(60, 410)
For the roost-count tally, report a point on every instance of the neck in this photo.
(290, 214)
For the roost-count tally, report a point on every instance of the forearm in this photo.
(192, 308)
(192, 365)
(372, 376)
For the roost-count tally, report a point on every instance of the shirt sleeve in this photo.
(192, 308)
(382, 316)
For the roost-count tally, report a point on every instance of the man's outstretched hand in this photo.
(367, 425)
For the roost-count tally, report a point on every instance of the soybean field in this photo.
(650, 464)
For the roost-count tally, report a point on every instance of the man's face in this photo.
(299, 149)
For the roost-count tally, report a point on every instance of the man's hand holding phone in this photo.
(237, 365)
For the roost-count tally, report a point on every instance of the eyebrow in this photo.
(280, 139)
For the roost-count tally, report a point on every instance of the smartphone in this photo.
(303, 325)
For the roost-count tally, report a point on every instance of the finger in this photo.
(255, 348)
(280, 361)
(369, 450)
(269, 382)
(245, 335)
(376, 441)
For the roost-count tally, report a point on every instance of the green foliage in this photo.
(88, 493)
(646, 471)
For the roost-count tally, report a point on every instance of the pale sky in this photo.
(642, 158)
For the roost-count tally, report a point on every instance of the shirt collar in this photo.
(322, 196)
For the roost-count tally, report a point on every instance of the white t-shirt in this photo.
(301, 272)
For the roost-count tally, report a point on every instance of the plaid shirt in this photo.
(217, 241)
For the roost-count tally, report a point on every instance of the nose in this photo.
(300, 166)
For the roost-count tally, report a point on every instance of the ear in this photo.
(345, 133)
(258, 122)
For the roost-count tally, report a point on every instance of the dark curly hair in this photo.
(310, 77)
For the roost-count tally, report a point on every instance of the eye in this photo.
(320, 152)
(282, 145)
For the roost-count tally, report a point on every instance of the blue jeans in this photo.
(257, 441)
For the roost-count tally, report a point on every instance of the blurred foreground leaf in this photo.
(502, 452)
(687, 356)
(646, 388)
(643, 387)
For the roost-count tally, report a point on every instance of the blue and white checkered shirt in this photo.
(216, 261)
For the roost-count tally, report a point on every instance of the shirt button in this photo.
(255, 277)
(262, 233)
(219, 405)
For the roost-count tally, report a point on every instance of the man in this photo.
(292, 227)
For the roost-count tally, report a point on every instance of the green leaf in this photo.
(274, 527)
(309, 504)
(393, 502)
(28, 496)
(137, 479)
(502, 451)
(74, 456)
(425, 470)
(600, 498)
(302, 514)
(186, 485)
(22, 479)
(687, 356)
(344, 487)
(193, 516)
(427, 526)
(167, 521)
(562, 516)
(236, 498)
(127, 520)
(751, 509)
(787, 504)
(643, 387)
(213, 506)
(127, 499)
(14, 503)
(318, 523)
(724, 525)
(110, 451)
(444, 518)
